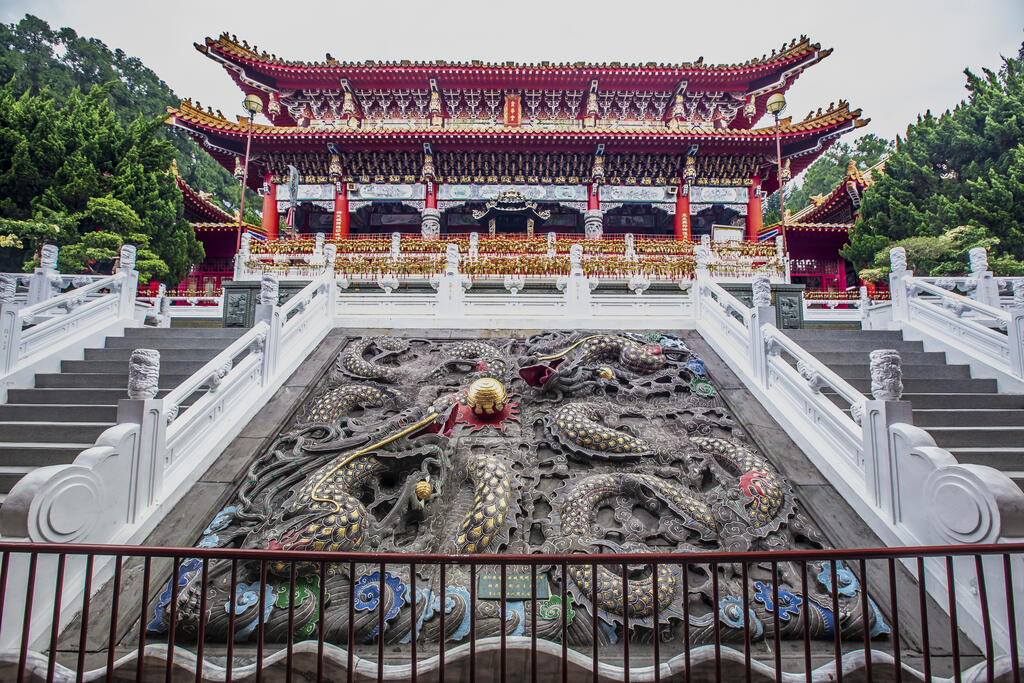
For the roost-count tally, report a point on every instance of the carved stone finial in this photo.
(330, 253)
(243, 245)
(8, 287)
(762, 288)
(318, 245)
(863, 294)
(396, 244)
(430, 224)
(593, 224)
(48, 256)
(575, 258)
(898, 260)
(551, 240)
(1018, 293)
(269, 289)
(702, 254)
(451, 256)
(143, 374)
(127, 257)
(886, 375)
(474, 241)
(979, 260)
(705, 241)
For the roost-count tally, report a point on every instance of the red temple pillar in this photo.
(753, 210)
(270, 218)
(682, 218)
(841, 274)
(341, 212)
(593, 196)
(431, 198)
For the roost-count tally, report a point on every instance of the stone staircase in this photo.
(63, 414)
(964, 415)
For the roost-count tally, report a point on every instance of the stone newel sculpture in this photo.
(127, 257)
(243, 245)
(474, 243)
(143, 374)
(8, 286)
(1018, 294)
(396, 244)
(898, 260)
(330, 254)
(48, 256)
(979, 260)
(551, 244)
(762, 288)
(269, 289)
(430, 224)
(886, 375)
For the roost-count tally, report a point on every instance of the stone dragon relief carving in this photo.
(563, 442)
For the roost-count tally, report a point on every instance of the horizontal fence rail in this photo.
(371, 616)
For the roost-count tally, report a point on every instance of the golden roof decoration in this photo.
(230, 44)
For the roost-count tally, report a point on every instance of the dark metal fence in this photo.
(77, 612)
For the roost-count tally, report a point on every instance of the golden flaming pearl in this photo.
(486, 395)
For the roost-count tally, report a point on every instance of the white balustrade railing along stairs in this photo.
(119, 489)
(978, 327)
(908, 490)
(45, 327)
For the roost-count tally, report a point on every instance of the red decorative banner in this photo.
(513, 110)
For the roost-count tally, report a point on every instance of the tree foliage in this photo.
(60, 60)
(75, 166)
(944, 255)
(962, 168)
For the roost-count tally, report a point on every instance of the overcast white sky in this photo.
(893, 58)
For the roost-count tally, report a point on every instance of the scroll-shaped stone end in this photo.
(48, 256)
(898, 259)
(269, 289)
(979, 259)
(762, 287)
(143, 374)
(8, 287)
(330, 253)
(886, 375)
(128, 257)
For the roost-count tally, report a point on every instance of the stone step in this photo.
(99, 380)
(161, 344)
(861, 357)
(91, 396)
(173, 367)
(10, 475)
(824, 333)
(927, 386)
(977, 437)
(50, 432)
(859, 345)
(971, 417)
(34, 412)
(228, 333)
(32, 454)
(848, 372)
(123, 354)
(1006, 458)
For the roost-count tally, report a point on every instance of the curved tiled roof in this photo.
(230, 45)
(211, 216)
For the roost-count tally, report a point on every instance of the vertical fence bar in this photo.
(290, 651)
(864, 618)
(4, 564)
(352, 619)
(55, 624)
(472, 622)
(776, 626)
(717, 622)
(501, 622)
(26, 624)
(954, 631)
(837, 631)
(533, 623)
(595, 657)
(412, 630)
(894, 616)
(564, 618)
(380, 623)
(115, 600)
(142, 618)
(442, 634)
(985, 616)
(686, 621)
(175, 564)
(1011, 618)
(922, 598)
(625, 622)
(260, 627)
(83, 636)
(320, 622)
(201, 636)
(807, 622)
(229, 664)
(746, 622)
(657, 627)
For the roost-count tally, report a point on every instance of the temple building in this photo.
(816, 233)
(657, 150)
(218, 231)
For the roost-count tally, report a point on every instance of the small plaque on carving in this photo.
(517, 587)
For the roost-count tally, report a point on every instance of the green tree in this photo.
(964, 167)
(74, 165)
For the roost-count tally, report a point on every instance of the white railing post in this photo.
(879, 413)
(45, 280)
(10, 339)
(987, 290)
(897, 283)
(763, 313)
(143, 408)
(268, 311)
(242, 256)
(702, 255)
(1015, 329)
(129, 283)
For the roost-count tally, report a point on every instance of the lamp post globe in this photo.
(776, 104)
(254, 105)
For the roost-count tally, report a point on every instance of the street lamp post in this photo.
(254, 105)
(776, 104)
